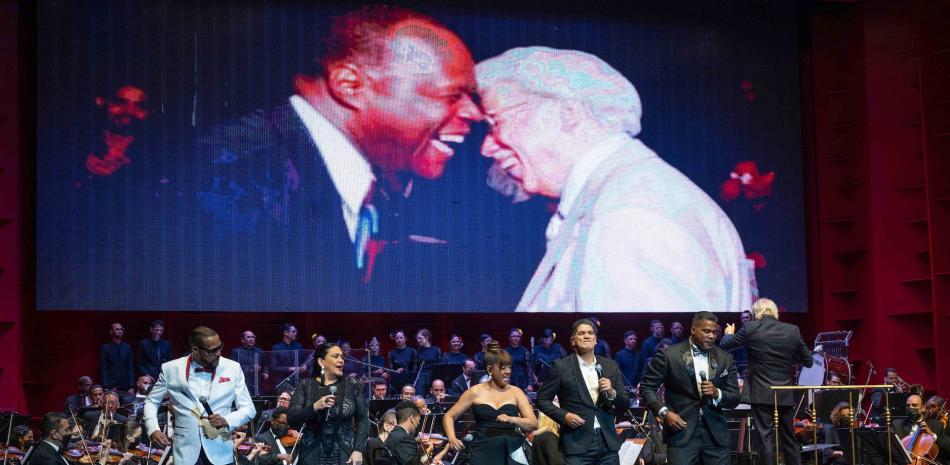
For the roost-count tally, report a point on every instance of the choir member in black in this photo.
(545, 353)
(602, 348)
(351, 367)
(521, 373)
(375, 360)
(251, 358)
(499, 409)
(649, 344)
(484, 339)
(428, 355)
(279, 427)
(455, 355)
(404, 360)
(676, 333)
(153, 351)
(56, 431)
(401, 443)
(630, 360)
(116, 361)
(464, 380)
(375, 446)
(287, 356)
(332, 410)
(81, 398)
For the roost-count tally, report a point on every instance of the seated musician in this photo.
(94, 421)
(545, 445)
(279, 427)
(436, 392)
(380, 391)
(840, 418)
(375, 446)
(245, 453)
(55, 429)
(465, 380)
(82, 398)
(833, 380)
(24, 437)
(283, 400)
(937, 411)
(401, 443)
(916, 419)
(407, 392)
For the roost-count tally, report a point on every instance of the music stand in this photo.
(445, 372)
(826, 400)
(898, 402)
(377, 407)
(9, 421)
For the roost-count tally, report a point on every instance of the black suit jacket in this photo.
(774, 349)
(75, 401)
(90, 419)
(117, 365)
(567, 383)
(45, 454)
(267, 437)
(458, 386)
(403, 449)
(151, 356)
(673, 367)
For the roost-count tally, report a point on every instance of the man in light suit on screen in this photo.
(195, 384)
(631, 233)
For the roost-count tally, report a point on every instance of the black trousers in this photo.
(763, 419)
(701, 445)
(598, 454)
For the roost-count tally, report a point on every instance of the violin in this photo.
(13, 454)
(142, 453)
(804, 425)
(289, 439)
(245, 448)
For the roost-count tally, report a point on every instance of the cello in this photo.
(921, 445)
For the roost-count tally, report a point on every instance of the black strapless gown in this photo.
(494, 440)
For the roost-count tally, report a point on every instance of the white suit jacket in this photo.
(227, 388)
(641, 237)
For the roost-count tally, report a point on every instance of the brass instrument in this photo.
(903, 386)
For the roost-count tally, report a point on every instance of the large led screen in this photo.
(300, 156)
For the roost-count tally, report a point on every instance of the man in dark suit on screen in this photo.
(774, 348)
(55, 430)
(700, 381)
(586, 387)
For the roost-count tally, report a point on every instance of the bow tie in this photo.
(697, 352)
(199, 369)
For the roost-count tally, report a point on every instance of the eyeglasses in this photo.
(216, 350)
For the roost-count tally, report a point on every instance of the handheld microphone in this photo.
(702, 377)
(204, 402)
(332, 393)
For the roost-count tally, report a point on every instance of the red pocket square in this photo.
(223, 380)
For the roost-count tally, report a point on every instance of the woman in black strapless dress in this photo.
(502, 413)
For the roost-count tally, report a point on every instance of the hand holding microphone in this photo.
(216, 420)
(603, 384)
(707, 388)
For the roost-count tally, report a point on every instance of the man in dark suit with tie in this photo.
(700, 381)
(401, 443)
(153, 351)
(55, 431)
(774, 348)
(463, 381)
(584, 384)
(116, 362)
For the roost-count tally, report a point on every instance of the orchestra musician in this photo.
(401, 443)
(56, 431)
(332, 412)
(80, 399)
(465, 380)
(436, 392)
(246, 453)
(700, 380)
(407, 392)
(916, 418)
(278, 453)
(195, 384)
(97, 422)
(937, 411)
(376, 445)
(841, 417)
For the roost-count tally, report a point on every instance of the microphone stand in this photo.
(295, 372)
(418, 373)
(368, 365)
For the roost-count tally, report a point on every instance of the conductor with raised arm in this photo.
(774, 349)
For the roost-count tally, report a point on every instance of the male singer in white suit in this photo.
(201, 377)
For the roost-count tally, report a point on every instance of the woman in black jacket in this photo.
(332, 411)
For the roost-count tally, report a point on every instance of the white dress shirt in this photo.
(589, 372)
(352, 175)
(701, 365)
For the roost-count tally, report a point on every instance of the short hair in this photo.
(746, 311)
(286, 391)
(111, 393)
(279, 411)
(937, 400)
(433, 382)
(406, 410)
(484, 336)
(764, 308)
(95, 386)
(653, 322)
(699, 317)
(364, 35)
(155, 323)
(424, 332)
(199, 334)
(565, 75)
(629, 333)
(583, 321)
(247, 331)
(84, 379)
(51, 422)
(890, 370)
(469, 359)
(380, 382)
(404, 386)
(664, 342)
(286, 327)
